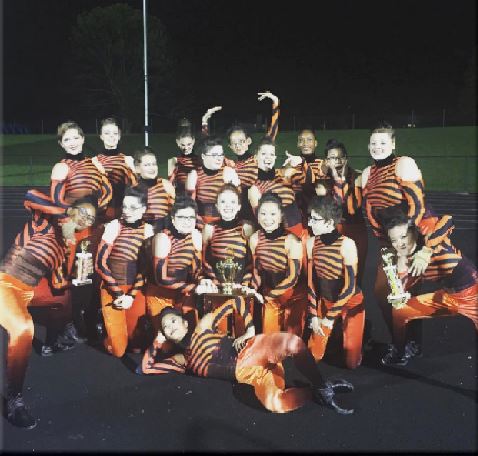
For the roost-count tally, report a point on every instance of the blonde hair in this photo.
(68, 125)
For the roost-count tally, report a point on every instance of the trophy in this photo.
(83, 265)
(398, 296)
(227, 270)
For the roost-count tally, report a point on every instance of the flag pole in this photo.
(145, 45)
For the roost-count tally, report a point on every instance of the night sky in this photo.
(317, 56)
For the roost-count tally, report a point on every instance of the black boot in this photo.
(70, 335)
(394, 357)
(18, 414)
(325, 395)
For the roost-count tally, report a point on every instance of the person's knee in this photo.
(294, 344)
(23, 329)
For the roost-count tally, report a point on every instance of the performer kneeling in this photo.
(457, 275)
(117, 262)
(332, 271)
(254, 360)
(41, 255)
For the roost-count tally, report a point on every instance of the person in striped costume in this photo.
(203, 184)
(277, 258)
(120, 264)
(119, 167)
(42, 254)
(249, 359)
(456, 276)
(160, 192)
(176, 263)
(332, 283)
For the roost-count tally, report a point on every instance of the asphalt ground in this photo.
(86, 400)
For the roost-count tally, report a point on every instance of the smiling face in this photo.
(186, 144)
(213, 159)
(228, 205)
(110, 135)
(319, 225)
(175, 328)
(381, 145)
(269, 216)
(239, 143)
(266, 157)
(133, 209)
(148, 167)
(306, 142)
(402, 238)
(83, 216)
(184, 220)
(72, 141)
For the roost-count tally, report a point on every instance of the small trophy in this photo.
(83, 265)
(398, 296)
(227, 271)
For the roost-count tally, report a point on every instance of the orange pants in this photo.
(429, 305)
(15, 297)
(260, 364)
(353, 319)
(286, 313)
(358, 233)
(121, 325)
(157, 298)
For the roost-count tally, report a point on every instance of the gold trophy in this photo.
(83, 265)
(398, 297)
(227, 271)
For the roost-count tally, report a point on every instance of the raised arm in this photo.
(274, 126)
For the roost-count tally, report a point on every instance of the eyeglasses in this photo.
(336, 158)
(316, 219)
(239, 142)
(132, 208)
(214, 155)
(184, 218)
(86, 215)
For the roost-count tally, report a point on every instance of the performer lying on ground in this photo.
(42, 255)
(254, 360)
(333, 292)
(456, 274)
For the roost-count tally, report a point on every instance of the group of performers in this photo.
(296, 233)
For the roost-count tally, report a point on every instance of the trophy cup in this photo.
(398, 296)
(227, 270)
(83, 265)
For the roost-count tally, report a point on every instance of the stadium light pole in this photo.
(145, 46)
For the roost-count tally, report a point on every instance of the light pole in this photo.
(145, 41)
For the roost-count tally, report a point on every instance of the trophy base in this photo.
(79, 283)
(400, 299)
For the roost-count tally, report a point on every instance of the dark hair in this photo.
(307, 128)
(384, 127)
(209, 143)
(90, 199)
(390, 217)
(138, 192)
(166, 311)
(183, 201)
(334, 144)
(265, 141)
(140, 153)
(270, 197)
(230, 188)
(68, 125)
(184, 132)
(109, 121)
(327, 207)
(237, 128)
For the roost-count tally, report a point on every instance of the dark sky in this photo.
(316, 55)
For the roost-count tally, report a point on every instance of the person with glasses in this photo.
(332, 283)
(343, 187)
(175, 264)
(120, 262)
(203, 184)
(160, 192)
(276, 259)
(41, 254)
(119, 167)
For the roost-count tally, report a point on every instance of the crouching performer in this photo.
(43, 254)
(332, 271)
(118, 264)
(254, 360)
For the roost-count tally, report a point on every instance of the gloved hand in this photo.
(420, 261)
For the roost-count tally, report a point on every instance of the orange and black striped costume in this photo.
(333, 292)
(83, 179)
(458, 295)
(275, 276)
(174, 278)
(22, 270)
(184, 165)
(119, 174)
(118, 262)
(272, 181)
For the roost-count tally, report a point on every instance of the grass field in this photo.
(446, 156)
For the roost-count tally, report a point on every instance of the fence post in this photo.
(30, 171)
(443, 117)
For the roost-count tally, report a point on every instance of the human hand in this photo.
(254, 195)
(123, 302)
(268, 94)
(292, 160)
(209, 113)
(163, 246)
(315, 326)
(230, 176)
(420, 261)
(240, 342)
(68, 232)
(160, 339)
